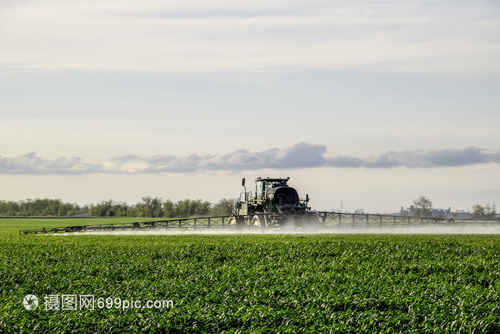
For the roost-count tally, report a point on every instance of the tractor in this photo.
(274, 203)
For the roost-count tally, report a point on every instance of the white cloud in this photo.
(420, 159)
(32, 164)
(301, 155)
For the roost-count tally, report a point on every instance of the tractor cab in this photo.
(265, 186)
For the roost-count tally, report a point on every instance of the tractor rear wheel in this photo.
(312, 224)
(289, 222)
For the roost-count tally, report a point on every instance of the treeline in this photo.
(157, 207)
(39, 207)
(147, 207)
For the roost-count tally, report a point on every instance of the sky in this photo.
(363, 104)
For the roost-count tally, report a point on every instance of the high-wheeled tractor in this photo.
(274, 203)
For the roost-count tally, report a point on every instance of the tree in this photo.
(38, 207)
(102, 209)
(483, 211)
(169, 209)
(423, 206)
(224, 207)
(150, 207)
(192, 208)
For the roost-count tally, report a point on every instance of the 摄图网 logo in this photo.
(30, 302)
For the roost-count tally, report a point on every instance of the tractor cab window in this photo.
(259, 190)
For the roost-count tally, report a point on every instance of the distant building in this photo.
(461, 214)
(436, 213)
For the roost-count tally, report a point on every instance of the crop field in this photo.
(349, 283)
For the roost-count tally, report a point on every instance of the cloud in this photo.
(32, 164)
(301, 155)
(420, 159)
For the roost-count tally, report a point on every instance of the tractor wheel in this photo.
(312, 224)
(290, 222)
(232, 221)
(258, 221)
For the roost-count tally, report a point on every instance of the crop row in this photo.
(248, 283)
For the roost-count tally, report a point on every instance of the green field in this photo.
(249, 283)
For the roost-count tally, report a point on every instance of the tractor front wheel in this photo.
(232, 221)
(258, 221)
